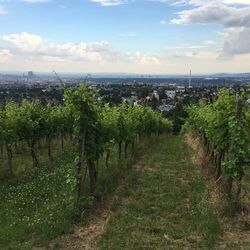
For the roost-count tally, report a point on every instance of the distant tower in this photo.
(31, 74)
(190, 78)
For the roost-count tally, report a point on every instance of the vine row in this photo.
(94, 128)
(224, 129)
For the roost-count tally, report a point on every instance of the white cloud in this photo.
(148, 60)
(204, 2)
(110, 2)
(237, 41)
(30, 44)
(227, 2)
(33, 46)
(197, 55)
(163, 22)
(29, 51)
(53, 59)
(218, 14)
(235, 20)
(24, 41)
(209, 42)
(5, 56)
(187, 46)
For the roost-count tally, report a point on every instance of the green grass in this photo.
(40, 204)
(164, 204)
(22, 159)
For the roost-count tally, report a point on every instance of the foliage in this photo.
(224, 129)
(38, 206)
(98, 126)
(178, 115)
(94, 126)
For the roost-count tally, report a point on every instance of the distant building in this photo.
(166, 108)
(180, 89)
(156, 95)
(131, 100)
(31, 74)
(172, 85)
(190, 79)
(170, 93)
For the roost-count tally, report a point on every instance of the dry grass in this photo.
(84, 237)
(236, 233)
(201, 159)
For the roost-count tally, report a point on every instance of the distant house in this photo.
(131, 100)
(170, 94)
(156, 95)
(173, 85)
(166, 108)
(180, 89)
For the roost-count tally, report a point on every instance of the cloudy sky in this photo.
(137, 36)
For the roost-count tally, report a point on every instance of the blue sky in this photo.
(140, 36)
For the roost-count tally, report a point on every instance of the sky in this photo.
(125, 36)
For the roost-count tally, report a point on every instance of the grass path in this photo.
(164, 204)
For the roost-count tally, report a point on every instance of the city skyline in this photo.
(135, 36)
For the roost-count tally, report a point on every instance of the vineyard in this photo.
(94, 128)
(59, 161)
(224, 129)
(89, 137)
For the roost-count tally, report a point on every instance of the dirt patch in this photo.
(236, 233)
(200, 158)
(83, 236)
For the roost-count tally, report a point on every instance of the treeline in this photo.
(224, 129)
(93, 127)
